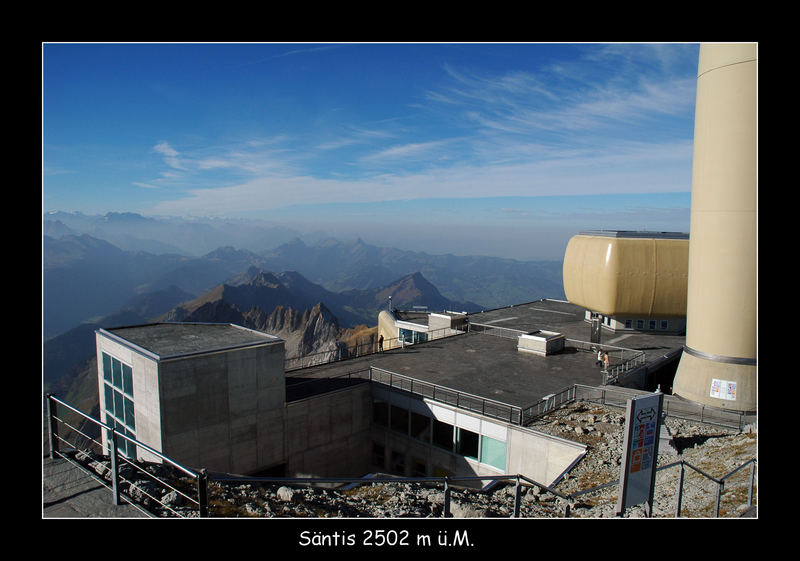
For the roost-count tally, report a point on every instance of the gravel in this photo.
(714, 450)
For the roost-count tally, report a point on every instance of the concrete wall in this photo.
(224, 411)
(147, 406)
(329, 435)
(539, 456)
(542, 343)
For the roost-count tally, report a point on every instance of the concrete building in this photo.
(629, 280)
(211, 395)
(217, 397)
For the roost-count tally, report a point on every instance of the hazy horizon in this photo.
(502, 149)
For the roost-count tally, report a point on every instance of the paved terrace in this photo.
(492, 367)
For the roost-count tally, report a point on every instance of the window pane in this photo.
(129, 418)
(380, 413)
(119, 406)
(116, 367)
(467, 443)
(443, 435)
(493, 452)
(420, 427)
(399, 419)
(398, 466)
(127, 380)
(109, 395)
(106, 367)
(378, 455)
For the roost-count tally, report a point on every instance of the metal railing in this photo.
(345, 352)
(193, 485)
(447, 483)
(624, 360)
(615, 396)
(129, 480)
(718, 482)
(511, 414)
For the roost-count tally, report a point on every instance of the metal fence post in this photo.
(680, 493)
(114, 468)
(52, 426)
(446, 512)
(202, 493)
(752, 483)
(718, 498)
(517, 494)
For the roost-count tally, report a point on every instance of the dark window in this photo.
(378, 455)
(398, 466)
(467, 443)
(420, 427)
(399, 419)
(443, 435)
(380, 413)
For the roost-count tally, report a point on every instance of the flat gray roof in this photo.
(491, 366)
(170, 340)
(637, 234)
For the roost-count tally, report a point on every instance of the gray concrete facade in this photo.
(207, 396)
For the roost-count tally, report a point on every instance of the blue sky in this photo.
(402, 142)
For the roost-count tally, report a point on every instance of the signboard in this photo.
(723, 389)
(640, 451)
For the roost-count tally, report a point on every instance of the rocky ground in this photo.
(713, 450)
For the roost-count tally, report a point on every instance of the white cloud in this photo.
(170, 155)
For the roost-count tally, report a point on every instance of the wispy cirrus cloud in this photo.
(616, 119)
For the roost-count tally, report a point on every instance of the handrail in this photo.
(203, 477)
(344, 352)
(112, 436)
(462, 399)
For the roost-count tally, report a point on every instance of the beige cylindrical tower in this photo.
(718, 366)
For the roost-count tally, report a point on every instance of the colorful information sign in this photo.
(640, 451)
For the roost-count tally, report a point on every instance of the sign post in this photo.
(640, 452)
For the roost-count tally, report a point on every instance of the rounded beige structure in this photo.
(637, 274)
(718, 366)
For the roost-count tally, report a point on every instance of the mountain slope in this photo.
(355, 265)
(85, 278)
(257, 289)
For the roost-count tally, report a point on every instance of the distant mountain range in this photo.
(123, 269)
(88, 276)
(283, 304)
(265, 291)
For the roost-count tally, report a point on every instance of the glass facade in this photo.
(493, 452)
(427, 429)
(409, 336)
(119, 407)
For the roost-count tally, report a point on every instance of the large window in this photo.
(380, 413)
(118, 392)
(399, 419)
(453, 439)
(493, 452)
(443, 435)
(410, 336)
(420, 427)
(467, 443)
